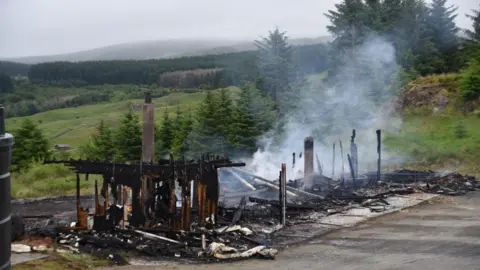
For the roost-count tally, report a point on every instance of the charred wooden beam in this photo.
(352, 171)
(379, 152)
(283, 195)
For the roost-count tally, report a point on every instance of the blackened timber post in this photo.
(352, 171)
(78, 198)
(379, 151)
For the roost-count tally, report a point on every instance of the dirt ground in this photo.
(444, 234)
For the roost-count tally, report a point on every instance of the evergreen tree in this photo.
(443, 31)
(416, 51)
(470, 79)
(207, 115)
(129, 138)
(347, 25)
(30, 146)
(205, 137)
(275, 63)
(6, 84)
(474, 36)
(180, 144)
(166, 135)
(391, 12)
(224, 113)
(177, 123)
(103, 143)
(442, 27)
(252, 117)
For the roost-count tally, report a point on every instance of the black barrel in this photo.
(6, 144)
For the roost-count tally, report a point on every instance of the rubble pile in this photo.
(227, 242)
(452, 184)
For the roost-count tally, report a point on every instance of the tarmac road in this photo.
(442, 234)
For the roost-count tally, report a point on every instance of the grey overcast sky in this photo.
(42, 27)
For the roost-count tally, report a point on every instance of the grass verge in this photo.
(442, 142)
(63, 261)
(47, 180)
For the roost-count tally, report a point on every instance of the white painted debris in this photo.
(90, 223)
(21, 248)
(41, 248)
(150, 235)
(246, 231)
(226, 229)
(221, 251)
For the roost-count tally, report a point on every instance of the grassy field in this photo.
(433, 142)
(75, 125)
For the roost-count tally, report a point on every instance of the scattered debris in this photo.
(212, 210)
(21, 248)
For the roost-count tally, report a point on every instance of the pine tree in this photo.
(443, 30)
(252, 117)
(6, 84)
(391, 12)
(103, 143)
(347, 25)
(474, 36)
(177, 123)
(275, 63)
(207, 115)
(129, 138)
(224, 113)
(441, 22)
(205, 137)
(166, 135)
(30, 146)
(416, 51)
(180, 143)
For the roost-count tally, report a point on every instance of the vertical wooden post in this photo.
(379, 151)
(308, 158)
(333, 162)
(283, 195)
(352, 171)
(78, 198)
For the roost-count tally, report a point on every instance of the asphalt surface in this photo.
(441, 234)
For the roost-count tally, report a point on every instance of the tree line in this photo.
(14, 69)
(237, 68)
(425, 36)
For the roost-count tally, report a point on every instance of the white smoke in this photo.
(330, 113)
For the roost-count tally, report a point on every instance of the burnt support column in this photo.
(6, 144)
(282, 181)
(343, 164)
(352, 171)
(353, 153)
(148, 146)
(148, 133)
(333, 162)
(379, 151)
(308, 158)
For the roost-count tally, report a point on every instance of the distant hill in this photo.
(157, 49)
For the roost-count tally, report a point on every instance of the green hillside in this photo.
(74, 126)
(440, 130)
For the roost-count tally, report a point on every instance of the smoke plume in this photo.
(359, 98)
